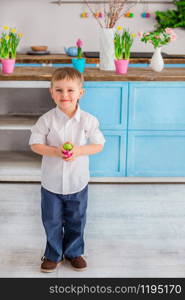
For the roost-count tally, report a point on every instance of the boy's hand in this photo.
(58, 152)
(62, 153)
(76, 151)
(72, 154)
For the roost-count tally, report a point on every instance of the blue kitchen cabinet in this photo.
(144, 127)
(108, 102)
(111, 162)
(157, 105)
(156, 153)
(156, 129)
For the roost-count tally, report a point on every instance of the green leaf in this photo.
(172, 18)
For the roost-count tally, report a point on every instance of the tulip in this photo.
(68, 146)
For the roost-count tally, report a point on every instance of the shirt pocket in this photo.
(82, 139)
(55, 137)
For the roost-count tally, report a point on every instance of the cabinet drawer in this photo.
(157, 105)
(111, 161)
(108, 102)
(157, 153)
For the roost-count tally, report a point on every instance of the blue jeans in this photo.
(64, 218)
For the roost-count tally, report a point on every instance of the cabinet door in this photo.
(156, 153)
(108, 102)
(157, 105)
(112, 160)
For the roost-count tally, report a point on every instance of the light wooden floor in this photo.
(133, 230)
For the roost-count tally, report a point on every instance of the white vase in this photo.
(107, 49)
(157, 63)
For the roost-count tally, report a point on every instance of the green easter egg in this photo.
(67, 146)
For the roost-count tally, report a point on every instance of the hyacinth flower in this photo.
(79, 44)
(79, 62)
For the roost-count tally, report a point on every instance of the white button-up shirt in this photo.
(54, 128)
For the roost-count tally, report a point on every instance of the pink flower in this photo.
(173, 37)
(79, 43)
(157, 37)
(150, 41)
(140, 34)
(169, 31)
(147, 33)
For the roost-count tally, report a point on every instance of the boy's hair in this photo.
(66, 73)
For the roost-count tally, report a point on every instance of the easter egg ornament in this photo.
(145, 13)
(100, 15)
(129, 14)
(126, 15)
(68, 146)
(84, 13)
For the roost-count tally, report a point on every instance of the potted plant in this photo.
(9, 42)
(79, 62)
(122, 45)
(158, 38)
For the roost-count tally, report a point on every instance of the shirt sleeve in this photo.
(94, 135)
(39, 132)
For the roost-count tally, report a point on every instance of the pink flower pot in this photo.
(121, 66)
(8, 65)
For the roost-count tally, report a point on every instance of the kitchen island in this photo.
(141, 115)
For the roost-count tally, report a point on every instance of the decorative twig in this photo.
(92, 12)
(113, 13)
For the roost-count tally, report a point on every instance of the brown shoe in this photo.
(49, 266)
(78, 263)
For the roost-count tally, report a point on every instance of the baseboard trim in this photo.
(28, 178)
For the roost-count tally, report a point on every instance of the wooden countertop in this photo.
(51, 58)
(63, 58)
(94, 74)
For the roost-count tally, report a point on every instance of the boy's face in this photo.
(66, 93)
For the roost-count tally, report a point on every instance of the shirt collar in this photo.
(61, 114)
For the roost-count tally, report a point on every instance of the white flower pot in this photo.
(157, 63)
(107, 55)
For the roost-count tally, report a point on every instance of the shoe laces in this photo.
(43, 258)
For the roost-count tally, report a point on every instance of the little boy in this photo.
(64, 179)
